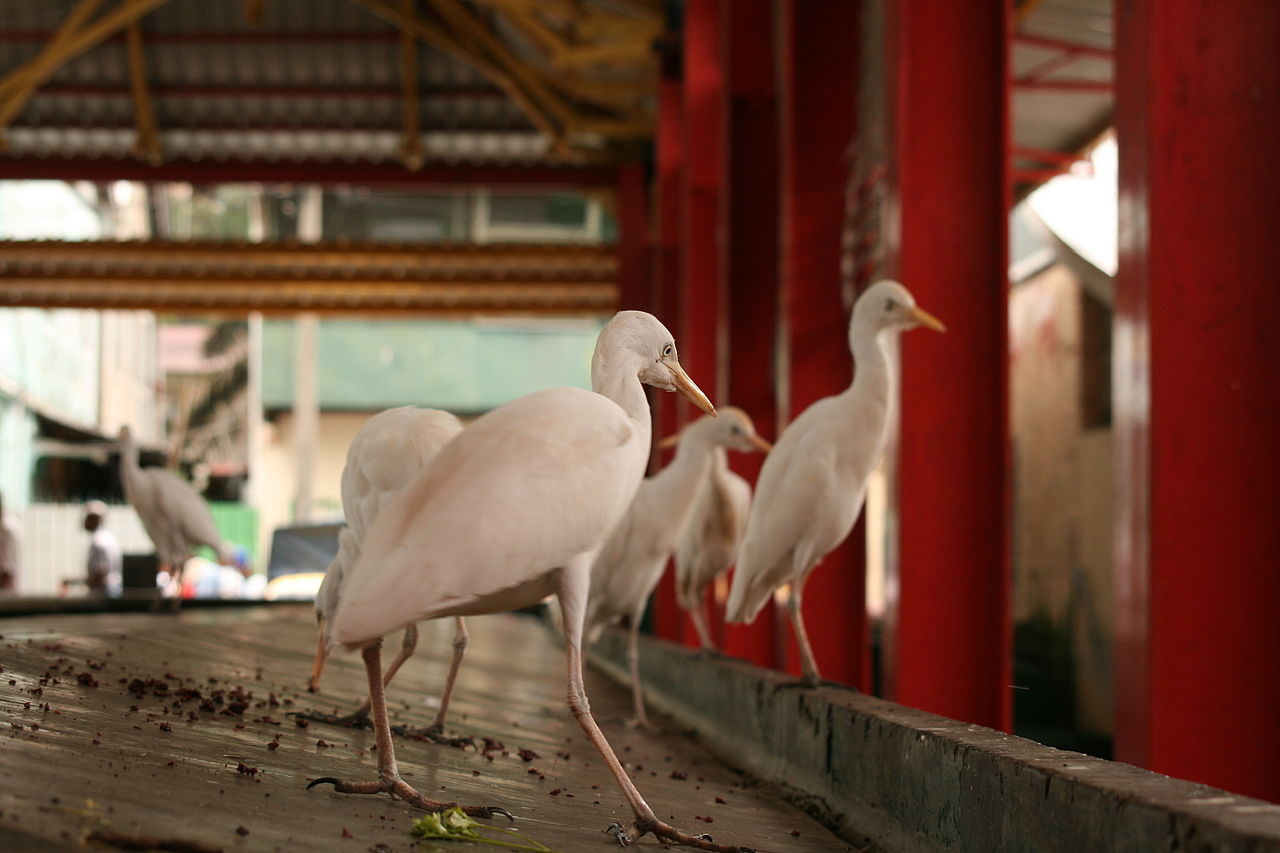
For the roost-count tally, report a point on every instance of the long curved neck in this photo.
(867, 398)
(692, 460)
(623, 387)
(129, 467)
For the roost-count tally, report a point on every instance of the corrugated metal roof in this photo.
(313, 79)
(1062, 68)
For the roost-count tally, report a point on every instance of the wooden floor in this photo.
(125, 724)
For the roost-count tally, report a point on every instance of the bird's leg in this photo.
(699, 616)
(807, 661)
(322, 654)
(574, 583)
(639, 719)
(389, 780)
(435, 731)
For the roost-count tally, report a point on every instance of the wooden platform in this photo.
(103, 731)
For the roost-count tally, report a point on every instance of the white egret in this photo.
(511, 510)
(631, 562)
(172, 512)
(709, 544)
(812, 486)
(390, 451)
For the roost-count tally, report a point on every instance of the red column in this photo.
(749, 263)
(818, 92)
(670, 226)
(632, 209)
(951, 653)
(1197, 412)
(702, 290)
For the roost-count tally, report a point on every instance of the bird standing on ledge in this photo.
(812, 485)
(633, 557)
(709, 544)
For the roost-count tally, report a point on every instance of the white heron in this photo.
(511, 510)
(709, 544)
(632, 560)
(172, 512)
(811, 487)
(390, 451)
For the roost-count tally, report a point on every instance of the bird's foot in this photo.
(434, 733)
(353, 720)
(626, 835)
(400, 789)
(641, 723)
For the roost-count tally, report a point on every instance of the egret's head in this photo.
(887, 305)
(636, 339)
(125, 433)
(732, 429)
(735, 431)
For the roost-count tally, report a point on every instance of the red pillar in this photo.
(632, 209)
(1196, 410)
(951, 653)
(668, 618)
(704, 303)
(749, 263)
(818, 92)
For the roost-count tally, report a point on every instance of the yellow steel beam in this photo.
(624, 128)
(447, 42)
(147, 145)
(635, 51)
(411, 141)
(23, 80)
(253, 12)
(18, 85)
(466, 24)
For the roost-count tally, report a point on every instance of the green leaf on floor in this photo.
(456, 825)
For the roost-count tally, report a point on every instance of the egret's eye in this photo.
(736, 430)
(668, 351)
(889, 305)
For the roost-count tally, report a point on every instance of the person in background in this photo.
(10, 551)
(105, 561)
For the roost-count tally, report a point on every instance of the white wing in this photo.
(802, 508)
(512, 498)
(710, 541)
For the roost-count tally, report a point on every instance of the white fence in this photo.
(55, 545)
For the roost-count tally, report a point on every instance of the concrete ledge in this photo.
(899, 779)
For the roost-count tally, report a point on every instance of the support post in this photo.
(306, 402)
(670, 226)
(749, 256)
(951, 652)
(1195, 403)
(818, 95)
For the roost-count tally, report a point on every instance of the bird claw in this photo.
(618, 832)
(351, 721)
(399, 789)
(435, 734)
(326, 780)
(489, 811)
